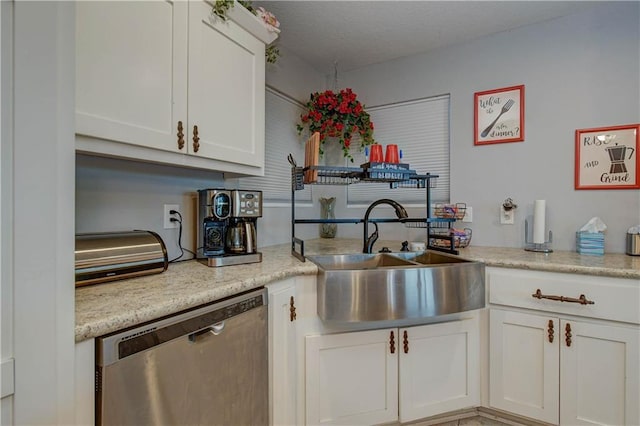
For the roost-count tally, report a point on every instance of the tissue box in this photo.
(590, 243)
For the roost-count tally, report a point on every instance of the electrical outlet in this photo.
(167, 216)
(468, 215)
(507, 217)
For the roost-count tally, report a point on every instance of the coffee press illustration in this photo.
(617, 155)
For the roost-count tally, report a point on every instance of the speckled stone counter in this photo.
(104, 308)
(610, 265)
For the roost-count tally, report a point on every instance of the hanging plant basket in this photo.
(339, 118)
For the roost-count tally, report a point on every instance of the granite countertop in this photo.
(610, 265)
(108, 307)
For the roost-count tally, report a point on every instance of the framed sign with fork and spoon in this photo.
(499, 115)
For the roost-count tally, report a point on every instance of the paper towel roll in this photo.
(538, 221)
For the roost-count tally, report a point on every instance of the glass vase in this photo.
(327, 211)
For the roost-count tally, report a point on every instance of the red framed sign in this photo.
(607, 158)
(498, 116)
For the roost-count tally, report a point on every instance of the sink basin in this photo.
(359, 261)
(431, 258)
(397, 286)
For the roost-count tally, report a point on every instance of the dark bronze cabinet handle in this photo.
(392, 343)
(180, 135)
(196, 139)
(405, 341)
(567, 334)
(581, 300)
(550, 331)
(292, 309)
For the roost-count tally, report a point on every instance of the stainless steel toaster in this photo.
(108, 256)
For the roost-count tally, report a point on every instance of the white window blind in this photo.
(420, 128)
(281, 138)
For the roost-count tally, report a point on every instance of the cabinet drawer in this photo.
(615, 299)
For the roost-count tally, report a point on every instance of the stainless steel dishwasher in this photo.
(208, 366)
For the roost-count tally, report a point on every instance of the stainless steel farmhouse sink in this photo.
(396, 286)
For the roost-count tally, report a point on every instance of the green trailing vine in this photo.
(222, 7)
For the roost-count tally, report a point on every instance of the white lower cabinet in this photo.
(441, 370)
(282, 352)
(524, 365)
(380, 376)
(85, 373)
(556, 367)
(599, 374)
(351, 378)
(564, 371)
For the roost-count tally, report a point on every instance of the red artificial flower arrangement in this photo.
(338, 115)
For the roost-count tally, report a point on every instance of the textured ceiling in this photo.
(355, 34)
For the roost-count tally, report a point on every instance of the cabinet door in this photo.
(226, 89)
(352, 378)
(524, 364)
(283, 355)
(131, 71)
(600, 375)
(439, 368)
(85, 373)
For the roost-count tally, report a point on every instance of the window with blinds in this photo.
(420, 128)
(281, 138)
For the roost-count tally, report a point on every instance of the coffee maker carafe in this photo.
(227, 226)
(241, 236)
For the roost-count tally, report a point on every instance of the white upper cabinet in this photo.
(226, 89)
(131, 71)
(169, 82)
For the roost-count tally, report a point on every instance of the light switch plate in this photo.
(507, 217)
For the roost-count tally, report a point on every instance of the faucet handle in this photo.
(405, 246)
(384, 250)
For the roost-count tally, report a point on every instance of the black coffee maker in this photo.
(227, 226)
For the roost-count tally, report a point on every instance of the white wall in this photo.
(122, 195)
(579, 71)
(294, 77)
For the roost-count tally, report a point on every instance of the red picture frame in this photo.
(607, 157)
(498, 116)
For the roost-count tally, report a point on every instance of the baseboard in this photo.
(446, 417)
(488, 413)
(509, 418)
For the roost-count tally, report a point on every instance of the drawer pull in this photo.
(392, 343)
(581, 300)
(196, 139)
(180, 135)
(405, 341)
(292, 309)
(567, 334)
(550, 331)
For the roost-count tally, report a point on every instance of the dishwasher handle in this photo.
(214, 330)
